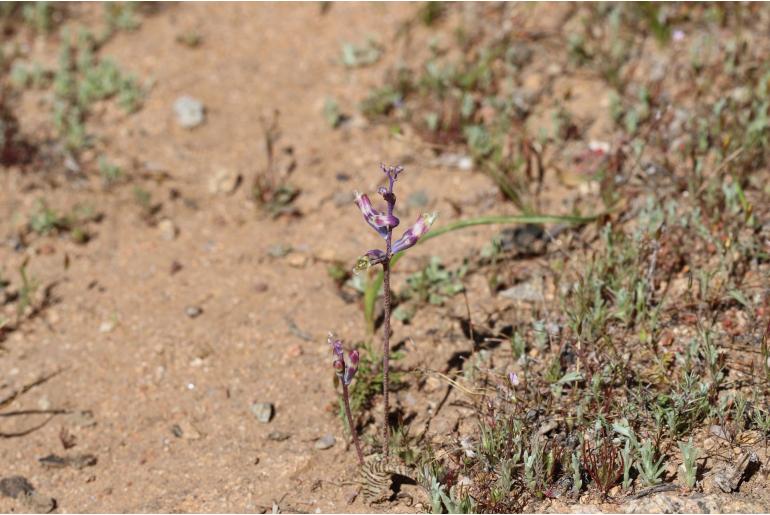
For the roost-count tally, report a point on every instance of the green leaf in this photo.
(373, 285)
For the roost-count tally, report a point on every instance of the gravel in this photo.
(189, 111)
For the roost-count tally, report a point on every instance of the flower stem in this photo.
(391, 201)
(386, 350)
(351, 424)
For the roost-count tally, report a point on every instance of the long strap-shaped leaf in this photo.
(373, 286)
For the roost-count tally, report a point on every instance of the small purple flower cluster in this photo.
(384, 223)
(345, 366)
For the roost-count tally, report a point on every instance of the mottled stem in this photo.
(391, 201)
(351, 424)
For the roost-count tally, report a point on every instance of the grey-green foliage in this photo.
(81, 80)
(110, 172)
(761, 419)
(689, 466)
(38, 15)
(505, 474)
(457, 503)
(332, 113)
(577, 481)
(434, 284)
(120, 16)
(355, 56)
(628, 460)
(650, 469)
(26, 291)
(629, 450)
(25, 75)
(435, 489)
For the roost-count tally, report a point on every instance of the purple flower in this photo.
(380, 222)
(391, 171)
(351, 367)
(513, 377)
(414, 233)
(345, 368)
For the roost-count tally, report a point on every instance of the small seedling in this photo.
(354, 56)
(110, 173)
(332, 113)
(271, 189)
(27, 290)
(689, 466)
(650, 469)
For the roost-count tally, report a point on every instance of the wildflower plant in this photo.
(346, 367)
(384, 223)
(689, 466)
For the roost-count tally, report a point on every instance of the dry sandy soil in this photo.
(117, 329)
(165, 340)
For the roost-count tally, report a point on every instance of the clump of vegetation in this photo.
(656, 325)
(47, 221)
(271, 188)
(81, 80)
(433, 285)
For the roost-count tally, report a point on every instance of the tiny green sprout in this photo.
(689, 466)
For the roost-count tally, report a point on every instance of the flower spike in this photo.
(415, 232)
(380, 222)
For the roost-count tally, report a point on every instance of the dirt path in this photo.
(119, 331)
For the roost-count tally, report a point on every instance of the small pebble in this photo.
(263, 411)
(294, 351)
(189, 112)
(547, 427)
(107, 326)
(193, 311)
(186, 431)
(278, 436)
(325, 442)
(52, 316)
(297, 260)
(527, 292)
(417, 199)
(14, 486)
(260, 287)
(463, 162)
(83, 418)
(176, 266)
(278, 250)
(343, 198)
(168, 231)
(224, 181)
